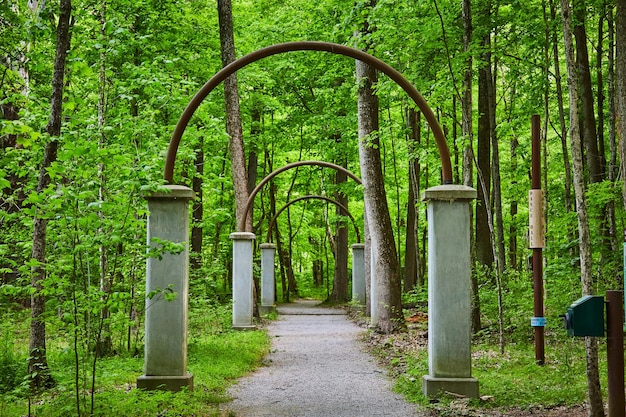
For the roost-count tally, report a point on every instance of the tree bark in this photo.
(197, 210)
(468, 152)
(233, 116)
(340, 283)
(484, 251)
(620, 86)
(562, 127)
(587, 118)
(37, 361)
(596, 408)
(387, 271)
(411, 258)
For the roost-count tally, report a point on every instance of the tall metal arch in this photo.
(444, 152)
(242, 223)
(272, 222)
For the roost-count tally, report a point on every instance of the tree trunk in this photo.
(387, 271)
(587, 118)
(340, 283)
(612, 168)
(468, 152)
(197, 210)
(562, 127)
(499, 252)
(596, 408)
(37, 361)
(513, 211)
(484, 252)
(620, 86)
(411, 257)
(233, 116)
(104, 344)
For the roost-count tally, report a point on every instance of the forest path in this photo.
(316, 368)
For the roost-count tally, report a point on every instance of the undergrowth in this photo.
(217, 356)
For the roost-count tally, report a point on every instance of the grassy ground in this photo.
(511, 384)
(216, 357)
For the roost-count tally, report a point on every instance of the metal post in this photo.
(615, 352)
(537, 240)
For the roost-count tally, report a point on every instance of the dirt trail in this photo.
(316, 369)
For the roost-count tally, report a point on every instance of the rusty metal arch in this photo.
(312, 197)
(444, 152)
(242, 223)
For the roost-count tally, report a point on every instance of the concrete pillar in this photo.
(242, 280)
(268, 283)
(358, 273)
(167, 282)
(449, 291)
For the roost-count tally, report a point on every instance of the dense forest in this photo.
(90, 92)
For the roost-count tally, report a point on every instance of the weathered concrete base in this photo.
(166, 383)
(244, 327)
(435, 387)
(267, 309)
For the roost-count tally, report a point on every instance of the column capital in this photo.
(170, 191)
(242, 236)
(358, 246)
(267, 246)
(449, 192)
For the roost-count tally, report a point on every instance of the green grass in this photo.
(216, 356)
(512, 379)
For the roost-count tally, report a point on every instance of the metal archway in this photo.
(444, 152)
(242, 224)
(312, 197)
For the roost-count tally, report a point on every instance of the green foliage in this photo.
(217, 356)
(512, 380)
(11, 366)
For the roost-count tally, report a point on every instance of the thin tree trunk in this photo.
(596, 408)
(612, 168)
(562, 127)
(484, 252)
(233, 116)
(498, 239)
(340, 284)
(468, 152)
(620, 86)
(37, 361)
(104, 347)
(197, 210)
(411, 261)
(587, 118)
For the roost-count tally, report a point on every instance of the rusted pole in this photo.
(538, 242)
(615, 352)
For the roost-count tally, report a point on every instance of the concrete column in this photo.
(358, 273)
(242, 280)
(268, 288)
(167, 282)
(449, 291)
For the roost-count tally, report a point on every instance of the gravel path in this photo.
(316, 369)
